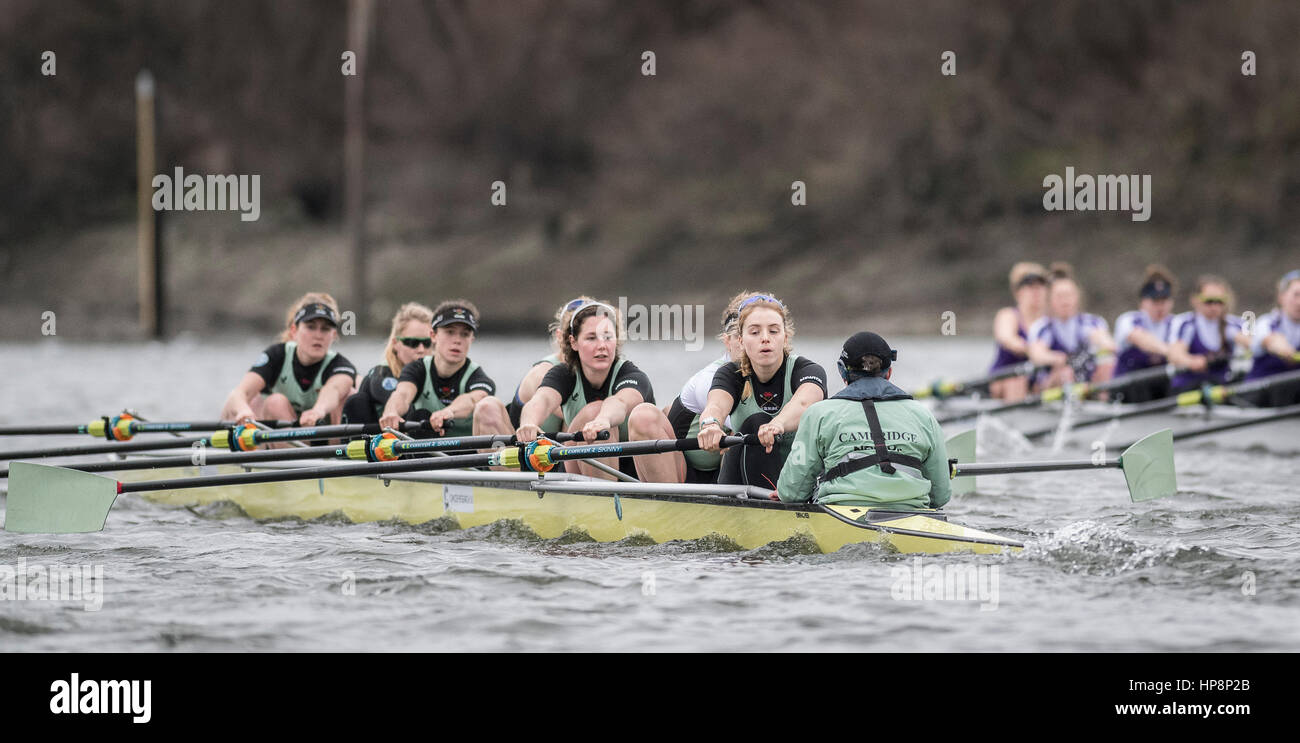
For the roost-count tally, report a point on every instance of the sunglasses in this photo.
(417, 342)
(760, 298)
(573, 328)
(573, 305)
(1031, 279)
(1206, 299)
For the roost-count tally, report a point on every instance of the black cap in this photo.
(313, 311)
(453, 315)
(867, 344)
(1157, 289)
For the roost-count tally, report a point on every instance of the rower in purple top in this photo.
(1202, 342)
(1275, 340)
(1142, 336)
(1075, 345)
(1011, 328)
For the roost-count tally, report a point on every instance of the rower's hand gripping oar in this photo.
(1148, 467)
(53, 500)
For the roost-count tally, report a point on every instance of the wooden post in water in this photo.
(150, 269)
(354, 141)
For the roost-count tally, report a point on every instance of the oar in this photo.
(56, 500)
(1290, 411)
(1208, 395)
(373, 449)
(1148, 467)
(244, 438)
(1078, 390)
(123, 427)
(947, 388)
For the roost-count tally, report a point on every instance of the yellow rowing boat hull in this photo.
(750, 523)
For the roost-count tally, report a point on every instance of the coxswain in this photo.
(871, 444)
(1142, 337)
(595, 388)
(300, 378)
(1011, 328)
(765, 392)
(410, 339)
(445, 383)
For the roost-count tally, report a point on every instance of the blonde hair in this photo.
(408, 312)
(1023, 269)
(303, 301)
(569, 354)
(746, 366)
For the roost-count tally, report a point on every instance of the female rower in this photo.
(1142, 336)
(446, 383)
(1074, 344)
(682, 419)
(1275, 340)
(301, 377)
(409, 339)
(595, 388)
(1202, 342)
(765, 392)
(533, 379)
(1011, 326)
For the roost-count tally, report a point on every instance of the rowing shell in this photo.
(607, 512)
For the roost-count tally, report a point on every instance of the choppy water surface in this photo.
(1215, 568)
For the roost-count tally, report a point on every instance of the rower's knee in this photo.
(492, 413)
(645, 422)
(278, 407)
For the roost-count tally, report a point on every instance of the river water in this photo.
(1216, 568)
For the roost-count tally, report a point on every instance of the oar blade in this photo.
(962, 448)
(1149, 466)
(54, 500)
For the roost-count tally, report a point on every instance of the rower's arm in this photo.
(807, 394)
(532, 380)
(719, 405)
(1275, 343)
(798, 480)
(1006, 331)
(1043, 355)
(400, 401)
(616, 407)
(237, 402)
(1101, 339)
(1148, 341)
(1180, 355)
(463, 405)
(544, 400)
(332, 394)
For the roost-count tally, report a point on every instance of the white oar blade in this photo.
(1149, 466)
(962, 448)
(54, 500)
